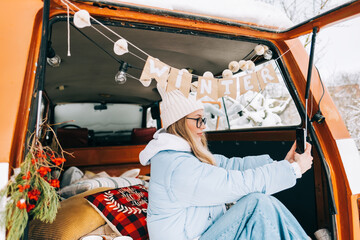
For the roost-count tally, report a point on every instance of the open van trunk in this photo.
(105, 124)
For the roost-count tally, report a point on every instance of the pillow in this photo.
(113, 182)
(70, 176)
(124, 209)
(74, 218)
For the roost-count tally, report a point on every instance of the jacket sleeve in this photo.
(241, 164)
(194, 183)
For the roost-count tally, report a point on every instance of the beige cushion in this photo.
(74, 219)
(104, 230)
(90, 175)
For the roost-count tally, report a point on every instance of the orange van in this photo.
(72, 73)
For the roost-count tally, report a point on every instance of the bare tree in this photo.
(345, 92)
(300, 10)
(343, 87)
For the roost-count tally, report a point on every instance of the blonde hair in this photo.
(200, 149)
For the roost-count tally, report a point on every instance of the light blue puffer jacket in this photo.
(186, 196)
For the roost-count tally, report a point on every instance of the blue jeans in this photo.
(256, 216)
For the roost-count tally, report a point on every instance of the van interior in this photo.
(105, 124)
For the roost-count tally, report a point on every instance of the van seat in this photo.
(73, 137)
(142, 135)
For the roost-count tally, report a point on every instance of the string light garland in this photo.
(83, 19)
(246, 65)
(68, 30)
(66, 2)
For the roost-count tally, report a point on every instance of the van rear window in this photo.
(270, 105)
(100, 117)
(101, 124)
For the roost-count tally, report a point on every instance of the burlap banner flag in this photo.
(249, 83)
(227, 87)
(207, 87)
(154, 69)
(267, 75)
(173, 78)
(179, 79)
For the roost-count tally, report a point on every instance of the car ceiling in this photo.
(88, 74)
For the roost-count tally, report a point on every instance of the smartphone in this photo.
(300, 140)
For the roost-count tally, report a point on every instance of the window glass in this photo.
(150, 122)
(97, 117)
(337, 59)
(271, 106)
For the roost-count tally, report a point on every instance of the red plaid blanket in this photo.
(125, 208)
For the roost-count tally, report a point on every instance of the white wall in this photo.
(4, 169)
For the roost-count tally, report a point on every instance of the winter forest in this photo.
(273, 106)
(270, 108)
(342, 83)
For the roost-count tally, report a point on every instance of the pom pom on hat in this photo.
(175, 105)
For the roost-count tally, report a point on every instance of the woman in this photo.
(189, 186)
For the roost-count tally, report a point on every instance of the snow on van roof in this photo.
(250, 11)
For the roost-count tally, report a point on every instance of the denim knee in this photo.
(256, 202)
(260, 198)
(256, 216)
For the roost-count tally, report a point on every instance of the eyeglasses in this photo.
(199, 121)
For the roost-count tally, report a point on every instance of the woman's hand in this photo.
(304, 160)
(291, 153)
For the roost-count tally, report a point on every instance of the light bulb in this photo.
(120, 77)
(54, 61)
(268, 54)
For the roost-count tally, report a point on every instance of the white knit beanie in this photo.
(175, 105)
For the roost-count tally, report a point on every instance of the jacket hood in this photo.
(162, 141)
